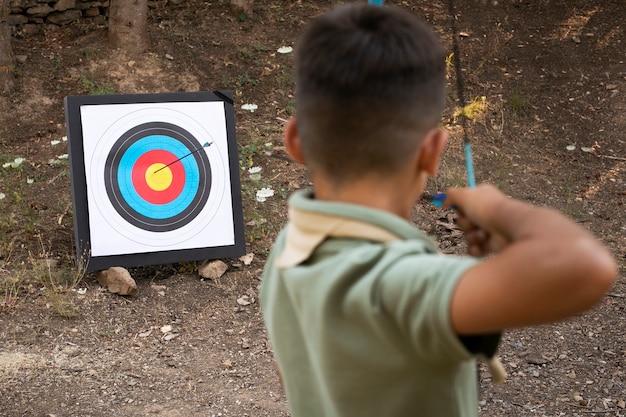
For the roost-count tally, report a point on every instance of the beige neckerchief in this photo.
(307, 230)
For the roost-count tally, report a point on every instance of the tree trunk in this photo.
(7, 81)
(242, 7)
(128, 25)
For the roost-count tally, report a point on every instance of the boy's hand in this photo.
(475, 208)
(546, 267)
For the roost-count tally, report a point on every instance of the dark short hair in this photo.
(370, 83)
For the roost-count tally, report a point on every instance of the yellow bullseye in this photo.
(159, 177)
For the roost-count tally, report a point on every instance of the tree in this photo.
(7, 81)
(242, 6)
(128, 25)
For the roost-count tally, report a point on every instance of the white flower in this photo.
(263, 194)
(82, 291)
(15, 164)
(250, 107)
(64, 156)
(2, 196)
(254, 170)
(29, 180)
(285, 50)
(54, 142)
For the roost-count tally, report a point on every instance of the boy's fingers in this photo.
(450, 200)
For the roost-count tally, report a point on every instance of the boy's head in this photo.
(370, 83)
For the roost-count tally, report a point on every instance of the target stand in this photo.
(155, 178)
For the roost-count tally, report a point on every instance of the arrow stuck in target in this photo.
(206, 145)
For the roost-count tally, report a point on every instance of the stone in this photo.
(99, 20)
(63, 5)
(93, 12)
(118, 281)
(29, 3)
(31, 29)
(212, 269)
(17, 19)
(39, 11)
(64, 18)
(82, 6)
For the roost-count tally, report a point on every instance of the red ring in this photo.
(139, 177)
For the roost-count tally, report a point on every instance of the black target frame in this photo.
(83, 230)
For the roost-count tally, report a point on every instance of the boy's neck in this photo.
(394, 195)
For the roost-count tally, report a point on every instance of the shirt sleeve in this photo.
(416, 293)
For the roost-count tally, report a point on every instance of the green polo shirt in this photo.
(357, 306)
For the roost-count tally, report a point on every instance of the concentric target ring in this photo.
(157, 177)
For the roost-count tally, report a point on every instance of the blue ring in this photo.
(125, 177)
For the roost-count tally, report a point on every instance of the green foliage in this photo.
(518, 102)
(248, 151)
(89, 52)
(58, 62)
(97, 88)
(245, 80)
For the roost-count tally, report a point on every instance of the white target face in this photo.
(157, 176)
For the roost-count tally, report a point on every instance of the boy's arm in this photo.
(545, 266)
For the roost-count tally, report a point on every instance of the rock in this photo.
(31, 29)
(247, 258)
(83, 6)
(118, 281)
(537, 360)
(49, 263)
(63, 5)
(17, 19)
(244, 300)
(64, 18)
(21, 59)
(93, 12)
(39, 11)
(212, 269)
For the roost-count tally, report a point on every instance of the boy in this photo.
(366, 318)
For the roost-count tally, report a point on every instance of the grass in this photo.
(518, 103)
(90, 53)
(57, 62)
(9, 291)
(473, 111)
(97, 88)
(58, 281)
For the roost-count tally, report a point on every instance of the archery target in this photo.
(157, 176)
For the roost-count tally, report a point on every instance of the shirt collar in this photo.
(312, 221)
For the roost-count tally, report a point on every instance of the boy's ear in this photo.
(430, 151)
(292, 141)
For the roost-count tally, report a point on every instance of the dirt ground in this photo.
(548, 81)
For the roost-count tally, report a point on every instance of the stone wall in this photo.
(29, 15)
